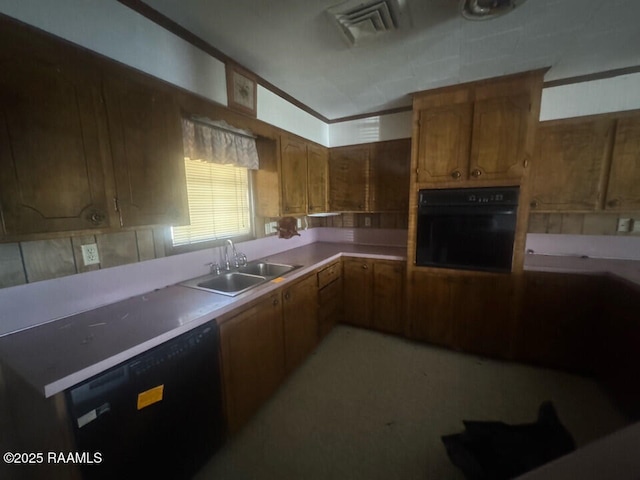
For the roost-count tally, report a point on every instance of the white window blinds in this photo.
(219, 203)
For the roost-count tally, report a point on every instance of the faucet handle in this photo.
(213, 267)
(241, 259)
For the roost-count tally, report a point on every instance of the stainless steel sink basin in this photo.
(266, 269)
(240, 280)
(231, 282)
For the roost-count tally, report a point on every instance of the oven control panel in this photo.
(469, 196)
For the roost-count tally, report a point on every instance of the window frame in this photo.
(171, 249)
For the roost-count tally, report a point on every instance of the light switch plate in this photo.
(624, 225)
(90, 254)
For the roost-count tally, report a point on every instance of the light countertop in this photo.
(626, 269)
(57, 355)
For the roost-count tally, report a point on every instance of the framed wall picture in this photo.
(241, 90)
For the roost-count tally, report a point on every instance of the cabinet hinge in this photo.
(116, 207)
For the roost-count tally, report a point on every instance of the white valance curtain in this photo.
(218, 142)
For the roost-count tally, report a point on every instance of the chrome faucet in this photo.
(226, 264)
(239, 259)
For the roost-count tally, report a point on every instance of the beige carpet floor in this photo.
(371, 406)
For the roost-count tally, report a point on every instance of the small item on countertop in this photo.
(287, 227)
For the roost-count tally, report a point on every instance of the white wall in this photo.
(590, 98)
(371, 129)
(117, 32)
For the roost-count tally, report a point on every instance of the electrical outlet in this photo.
(367, 221)
(90, 254)
(624, 225)
(636, 225)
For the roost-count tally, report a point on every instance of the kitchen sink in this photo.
(231, 282)
(266, 269)
(239, 281)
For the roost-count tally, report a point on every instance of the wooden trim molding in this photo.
(591, 77)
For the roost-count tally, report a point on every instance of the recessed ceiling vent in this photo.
(486, 9)
(360, 20)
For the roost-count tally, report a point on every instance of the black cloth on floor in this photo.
(498, 451)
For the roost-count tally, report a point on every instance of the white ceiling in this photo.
(296, 46)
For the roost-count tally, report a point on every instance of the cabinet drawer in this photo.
(330, 294)
(329, 274)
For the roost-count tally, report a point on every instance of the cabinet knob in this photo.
(365, 266)
(287, 296)
(275, 302)
(456, 174)
(476, 173)
(96, 218)
(613, 203)
(534, 204)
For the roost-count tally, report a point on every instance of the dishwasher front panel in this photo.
(158, 414)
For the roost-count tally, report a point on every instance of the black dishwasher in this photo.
(158, 415)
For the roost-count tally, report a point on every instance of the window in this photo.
(219, 203)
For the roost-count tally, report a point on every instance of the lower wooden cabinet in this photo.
(557, 319)
(472, 312)
(616, 351)
(300, 316)
(374, 294)
(253, 361)
(330, 298)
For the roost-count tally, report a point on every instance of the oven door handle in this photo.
(467, 210)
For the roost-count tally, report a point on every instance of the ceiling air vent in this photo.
(486, 9)
(364, 20)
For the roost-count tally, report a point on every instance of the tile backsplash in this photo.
(33, 261)
(581, 223)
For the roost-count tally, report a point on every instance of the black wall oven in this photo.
(467, 228)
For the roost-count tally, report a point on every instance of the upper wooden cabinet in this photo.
(371, 177)
(587, 164)
(624, 176)
(85, 144)
(348, 178)
(478, 131)
(317, 178)
(148, 156)
(53, 151)
(568, 164)
(293, 175)
(390, 164)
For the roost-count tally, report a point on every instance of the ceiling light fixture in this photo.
(486, 9)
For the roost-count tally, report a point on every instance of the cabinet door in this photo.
(349, 178)
(557, 320)
(390, 165)
(500, 129)
(388, 297)
(568, 164)
(317, 178)
(293, 174)
(300, 321)
(148, 156)
(53, 150)
(252, 349)
(623, 192)
(443, 143)
(485, 307)
(432, 317)
(358, 291)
